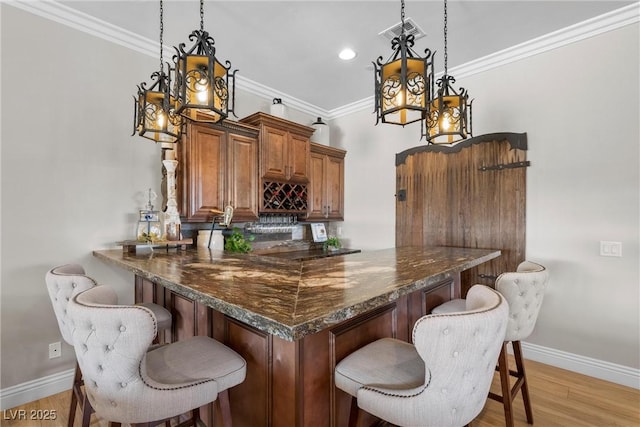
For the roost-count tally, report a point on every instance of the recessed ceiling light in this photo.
(347, 54)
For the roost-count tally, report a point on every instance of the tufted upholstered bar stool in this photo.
(442, 379)
(524, 290)
(63, 282)
(126, 382)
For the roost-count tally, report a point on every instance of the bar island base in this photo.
(340, 304)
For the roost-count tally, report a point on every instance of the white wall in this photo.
(72, 177)
(579, 105)
(70, 173)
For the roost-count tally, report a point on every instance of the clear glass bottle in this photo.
(149, 225)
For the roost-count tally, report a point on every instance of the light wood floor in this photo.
(560, 399)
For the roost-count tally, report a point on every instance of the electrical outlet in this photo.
(55, 350)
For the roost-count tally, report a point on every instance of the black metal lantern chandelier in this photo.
(404, 84)
(154, 116)
(449, 117)
(202, 88)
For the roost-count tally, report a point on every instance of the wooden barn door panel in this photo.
(470, 195)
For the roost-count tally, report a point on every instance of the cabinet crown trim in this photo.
(326, 149)
(259, 118)
(237, 127)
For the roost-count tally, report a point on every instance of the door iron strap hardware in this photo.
(507, 166)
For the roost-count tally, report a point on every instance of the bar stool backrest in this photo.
(524, 290)
(63, 282)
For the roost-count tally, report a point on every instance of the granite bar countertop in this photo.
(292, 299)
(309, 254)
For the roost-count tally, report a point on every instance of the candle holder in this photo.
(172, 222)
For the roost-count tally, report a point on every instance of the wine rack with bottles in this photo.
(284, 197)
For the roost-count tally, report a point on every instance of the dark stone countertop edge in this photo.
(298, 331)
(346, 313)
(258, 321)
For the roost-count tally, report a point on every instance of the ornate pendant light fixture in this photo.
(202, 82)
(154, 114)
(403, 84)
(449, 117)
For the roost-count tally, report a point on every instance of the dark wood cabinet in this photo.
(218, 165)
(326, 189)
(261, 164)
(284, 148)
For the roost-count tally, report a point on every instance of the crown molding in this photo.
(269, 93)
(80, 21)
(592, 27)
(86, 23)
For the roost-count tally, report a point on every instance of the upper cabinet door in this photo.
(204, 154)
(274, 154)
(334, 179)
(326, 190)
(298, 158)
(284, 148)
(317, 192)
(243, 177)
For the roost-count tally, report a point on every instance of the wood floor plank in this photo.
(560, 398)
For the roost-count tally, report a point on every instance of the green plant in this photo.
(332, 242)
(237, 242)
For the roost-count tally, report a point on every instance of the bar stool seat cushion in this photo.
(453, 306)
(397, 366)
(207, 359)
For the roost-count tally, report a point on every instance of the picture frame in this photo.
(319, 232)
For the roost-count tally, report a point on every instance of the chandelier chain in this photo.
(201, 15)
(402, 15)
(445, 38)
(161, 33)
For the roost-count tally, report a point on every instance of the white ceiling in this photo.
(292, 46)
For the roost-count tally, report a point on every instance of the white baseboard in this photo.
(20, 394)
(607, 371)
(630, 377)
